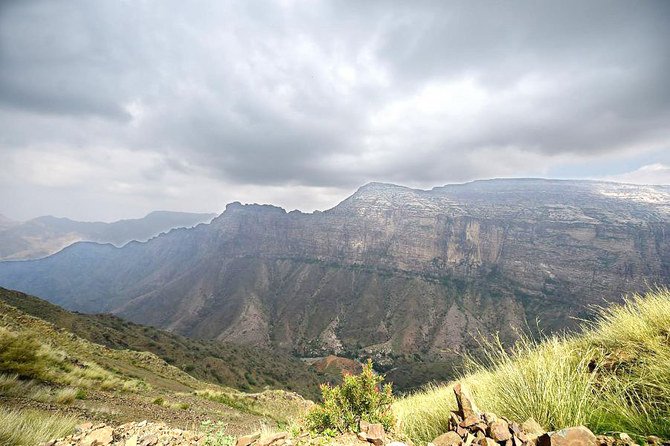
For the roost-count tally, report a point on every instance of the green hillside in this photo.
(52, 379)
(237, 366)
(613, 377)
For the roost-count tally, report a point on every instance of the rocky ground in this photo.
(467, 427)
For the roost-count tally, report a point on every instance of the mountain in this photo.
(401, 274)
(241, 367)
(43, 236)
(52, 380)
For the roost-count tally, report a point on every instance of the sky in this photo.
(112, 109)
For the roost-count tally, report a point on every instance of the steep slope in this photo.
(47, 372)
(43, 236)
(237, 366)
(390, 271)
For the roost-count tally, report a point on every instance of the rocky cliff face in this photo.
(389, 270)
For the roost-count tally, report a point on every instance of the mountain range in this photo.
(391, 272)
(46, 235)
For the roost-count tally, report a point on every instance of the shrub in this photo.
(159, 401)
(19, 355)
(215, 434)
(359, 398)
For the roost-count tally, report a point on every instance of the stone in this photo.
(530, 426)
(470, 421)
(499, 431)
(101, 436)
(396, 443)
(267, 441)
(247, 440)
(373, 432)
(653, 439)
(469, 439)
(486, 441)
(83, 427)
(466, 405)
(489, 417)
(572, 436)
(131, 441)
(149, 440)
(451, 438)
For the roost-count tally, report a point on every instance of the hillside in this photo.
(613, 377)
(51, 379)
(408, 276)
(46, 235)
(237, 366)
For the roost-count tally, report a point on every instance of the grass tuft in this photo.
(32, 427)
(615, 376)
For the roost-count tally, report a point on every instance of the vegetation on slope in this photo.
(241, 367)
(46, 371)
(615, 376)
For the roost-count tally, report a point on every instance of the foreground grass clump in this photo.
(32, 427)
(358, 398)
(615, 376)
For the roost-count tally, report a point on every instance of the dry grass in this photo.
(32, 427)
(613, 377)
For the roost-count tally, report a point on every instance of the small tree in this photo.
(359, 398)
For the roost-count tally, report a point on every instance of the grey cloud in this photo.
(265, 93)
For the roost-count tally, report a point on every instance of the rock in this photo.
(499, 431)
(150, 440)
(466, 405)
(267, 441)
(530, 426)
(572, 436)
(489, 417)
(98, 437)
(470, 421)
(83, 427)
(396, 443)
(451, 438)
(373, 433)
(131, 441)
(247, 440)
(486, 441)
(653, 440)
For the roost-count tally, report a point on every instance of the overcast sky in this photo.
(111, 109)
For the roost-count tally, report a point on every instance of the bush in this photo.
(19, 355)
(358, 398)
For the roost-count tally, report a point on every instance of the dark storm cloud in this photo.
(333, 93)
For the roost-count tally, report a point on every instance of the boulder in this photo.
(451, 438)
(486, 441)
(99, 437)
(267, 441)
(499, 431)
(246, 440)
(466, 405)
(530, 426)
(572, 436)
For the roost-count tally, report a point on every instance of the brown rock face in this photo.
(388, 269)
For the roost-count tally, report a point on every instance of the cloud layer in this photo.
(110, 109)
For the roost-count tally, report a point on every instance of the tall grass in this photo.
(615, 376)
(28, 428)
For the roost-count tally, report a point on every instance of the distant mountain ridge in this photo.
(391, 271)
(43, 236)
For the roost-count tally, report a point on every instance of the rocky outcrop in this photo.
(390, 270)
(468, 426)
(130, 434)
